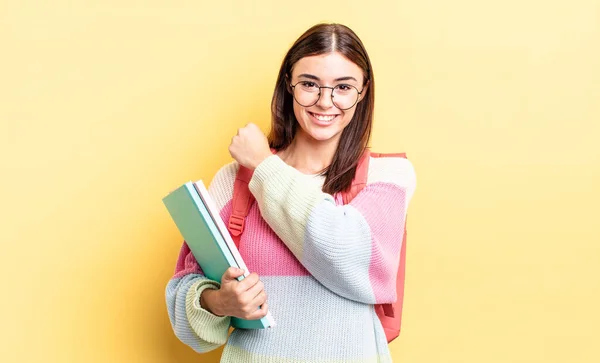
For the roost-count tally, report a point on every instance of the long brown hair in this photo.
(320, 39)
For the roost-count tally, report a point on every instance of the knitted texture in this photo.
(323, 264)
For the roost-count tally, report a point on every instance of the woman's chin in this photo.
(322, 135)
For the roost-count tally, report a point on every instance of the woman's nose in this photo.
(326, 98)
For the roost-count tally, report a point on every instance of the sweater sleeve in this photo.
(354, 249)
(193, 325)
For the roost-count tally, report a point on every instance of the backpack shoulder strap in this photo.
(359, 182)
(360, 178)
(241, 203)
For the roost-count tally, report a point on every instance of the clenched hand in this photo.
(250, 146)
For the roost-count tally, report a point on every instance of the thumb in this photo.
(231, 274)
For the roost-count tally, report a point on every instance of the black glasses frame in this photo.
(319, 96)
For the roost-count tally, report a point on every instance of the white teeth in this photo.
(324, 118)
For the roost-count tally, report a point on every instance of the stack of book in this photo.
(199, 222)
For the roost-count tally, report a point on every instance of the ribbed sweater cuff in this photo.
(209, 327)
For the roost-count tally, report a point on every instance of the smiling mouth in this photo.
(321, 117)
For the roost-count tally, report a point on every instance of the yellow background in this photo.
(107, 105)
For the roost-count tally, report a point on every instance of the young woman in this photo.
(323, 264)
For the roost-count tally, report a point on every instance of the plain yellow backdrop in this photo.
(105, 106)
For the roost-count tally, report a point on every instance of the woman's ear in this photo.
(288, 84)
(364, 91)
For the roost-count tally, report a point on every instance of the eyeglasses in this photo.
(343, 96)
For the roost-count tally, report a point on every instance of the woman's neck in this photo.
(308, 155)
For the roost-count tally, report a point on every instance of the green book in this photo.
(199, 222)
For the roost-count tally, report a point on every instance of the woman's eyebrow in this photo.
(310, 76)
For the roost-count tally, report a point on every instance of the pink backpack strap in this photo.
(360, 178)
(241, 203)
(359, 182)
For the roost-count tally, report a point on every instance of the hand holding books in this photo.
(197, 218)
(244, 299)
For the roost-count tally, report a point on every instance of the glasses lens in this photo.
(344, 96)
(306, 93)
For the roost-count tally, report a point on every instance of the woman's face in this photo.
(323, 121)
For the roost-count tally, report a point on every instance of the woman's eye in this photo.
(309, 84)
(344, 87)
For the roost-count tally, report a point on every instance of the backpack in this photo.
(390, 315)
